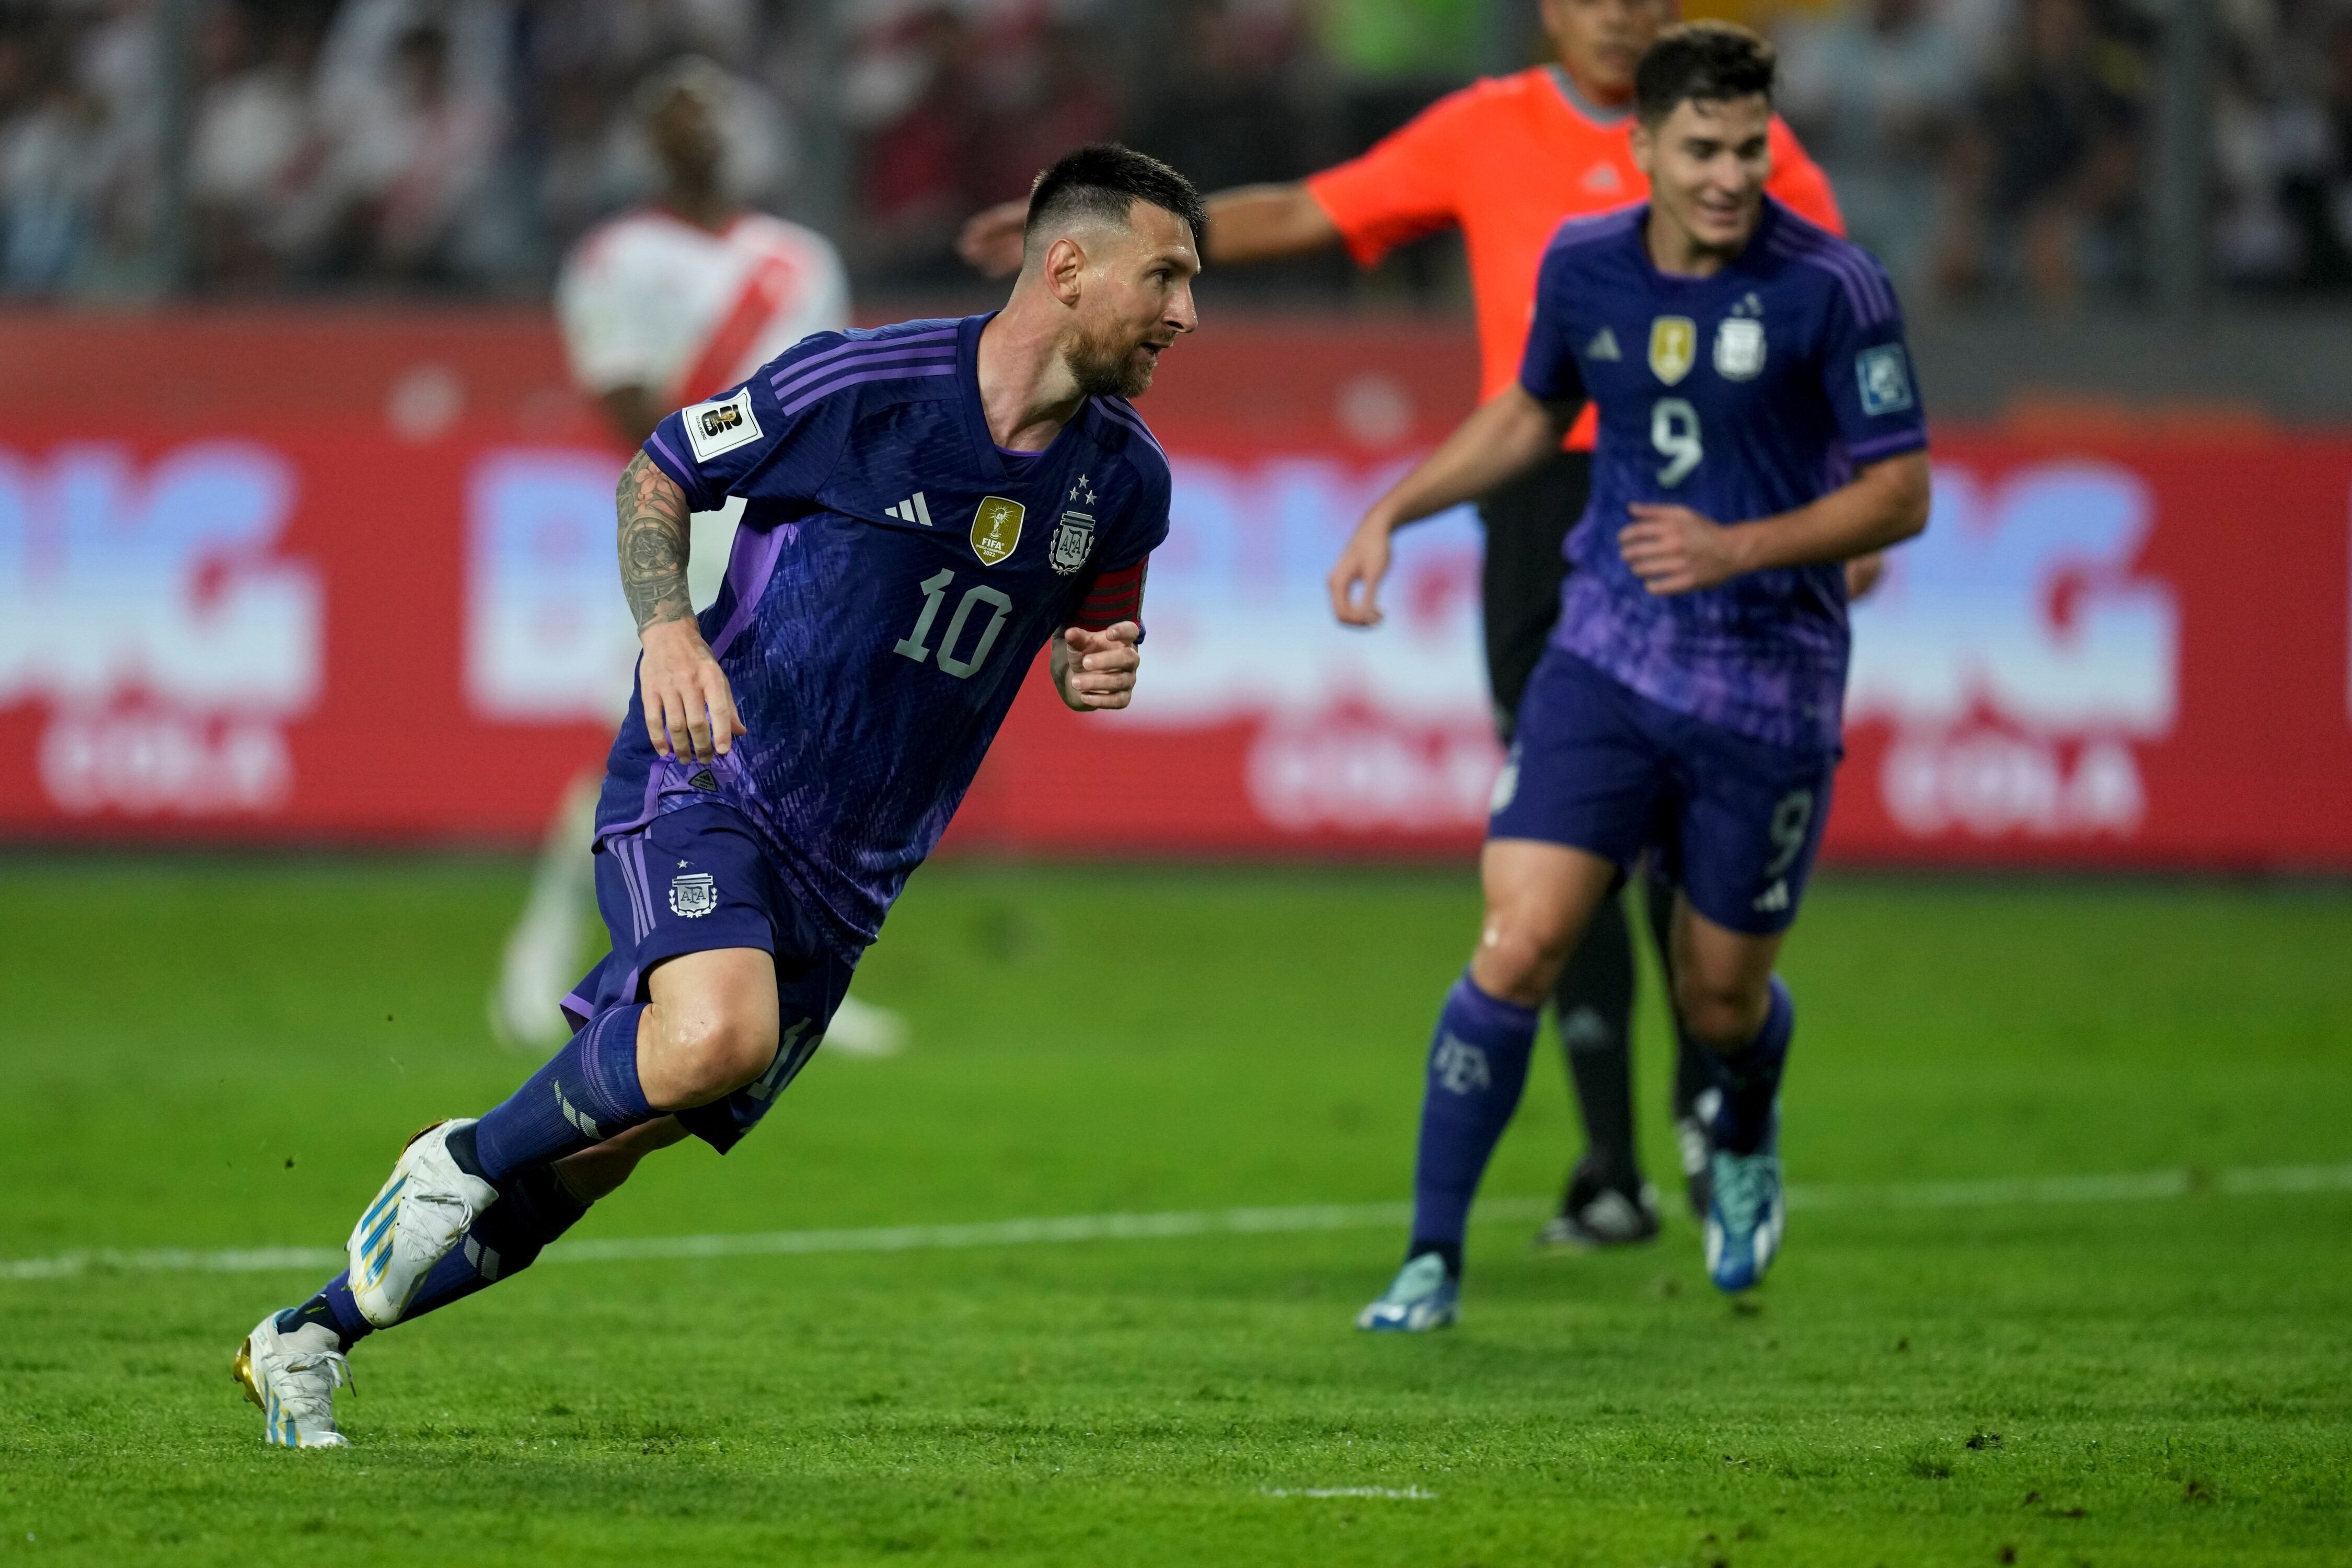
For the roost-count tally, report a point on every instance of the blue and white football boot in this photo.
(1422, 1295)
(293, 1378)
(1745, 1211)
(416, 1217)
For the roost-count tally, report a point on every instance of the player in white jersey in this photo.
(662, 306)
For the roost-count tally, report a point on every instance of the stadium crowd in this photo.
(1983, 148)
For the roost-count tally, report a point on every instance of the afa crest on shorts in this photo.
(1673, 347)
(997, 528)
(693, 894)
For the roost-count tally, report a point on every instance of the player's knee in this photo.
(1520, 953)
(717, 1050)
(1724, 1014)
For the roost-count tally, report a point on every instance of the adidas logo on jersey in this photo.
(1774, 898)
(1602, 346)
(911, 509)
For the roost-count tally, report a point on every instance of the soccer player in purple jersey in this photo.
(925, 505)
(1758, 427)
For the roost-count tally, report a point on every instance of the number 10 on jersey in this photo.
(914, 645)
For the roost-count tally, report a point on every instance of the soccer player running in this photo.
(925, 505)
(1505, 160)
(1758, 429)
(662, 306)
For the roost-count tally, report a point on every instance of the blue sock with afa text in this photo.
(1478, 1066)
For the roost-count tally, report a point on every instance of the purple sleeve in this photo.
(1866, 370)
(1548, 369)
(742, 443)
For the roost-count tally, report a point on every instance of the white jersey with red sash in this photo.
(649, 300)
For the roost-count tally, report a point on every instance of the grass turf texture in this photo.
(215, 1054)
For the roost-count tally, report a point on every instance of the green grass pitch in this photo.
(209, 1054)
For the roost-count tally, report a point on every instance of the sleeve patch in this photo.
(721, 426)
(1885, 378)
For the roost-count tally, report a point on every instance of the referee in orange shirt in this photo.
(1507, 160)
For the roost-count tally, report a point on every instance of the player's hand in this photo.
(1097, 669)
(1863, 572)
(1362, 565)
(689, 707)
(992, 238)
(1674, 550)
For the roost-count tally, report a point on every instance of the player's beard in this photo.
(1105, 366)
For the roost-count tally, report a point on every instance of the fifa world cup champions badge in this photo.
(997, 528)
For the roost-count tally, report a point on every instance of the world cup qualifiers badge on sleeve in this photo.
(712, 428)
(1885, 378)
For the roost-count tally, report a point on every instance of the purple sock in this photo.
(1478, 1066)
(587, 1092)
(1752, 1077)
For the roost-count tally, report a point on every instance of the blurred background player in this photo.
(662, 306)
(1760, 430)
(1506, 160)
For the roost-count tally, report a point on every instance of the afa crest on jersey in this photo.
(1073, 541)
(1673, 347)
(1740, 348)
(997, 528)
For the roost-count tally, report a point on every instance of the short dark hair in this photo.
(1705, 62)
(1104, 180)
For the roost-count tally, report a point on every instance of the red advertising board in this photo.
(272, 576)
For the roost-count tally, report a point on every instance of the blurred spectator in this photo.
(1060, 95)
(254, 146)
(407, 157)
(916, 98)
(1875, 90)
(1221, 107)
(2046, 173)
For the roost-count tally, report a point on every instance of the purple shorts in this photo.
(689, 881)
(1599, 767)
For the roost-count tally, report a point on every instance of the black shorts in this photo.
(1527, 522)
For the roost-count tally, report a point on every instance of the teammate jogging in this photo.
(926, 505)
(1757, 428)
(662, 306)
(1505, 160)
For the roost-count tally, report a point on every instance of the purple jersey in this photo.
(894, 574)
(1740, 395)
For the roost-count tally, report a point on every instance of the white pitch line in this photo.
(1402, 1494)
(2259, 1181)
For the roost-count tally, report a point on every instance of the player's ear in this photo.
(1066, 260)
(1644, 148)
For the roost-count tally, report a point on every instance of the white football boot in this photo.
(422, 1209)
(293, 1378)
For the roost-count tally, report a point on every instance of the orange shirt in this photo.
(1508, 159)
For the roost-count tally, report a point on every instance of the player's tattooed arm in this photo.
(689, 707)
(655, 541)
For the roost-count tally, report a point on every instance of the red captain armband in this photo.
(1113, 598)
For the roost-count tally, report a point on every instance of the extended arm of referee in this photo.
(1249, 223)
